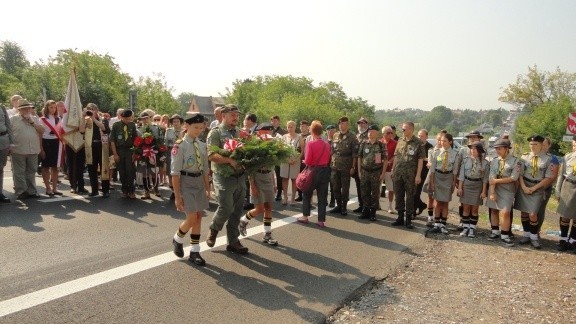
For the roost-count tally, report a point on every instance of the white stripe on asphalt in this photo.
(45, 295)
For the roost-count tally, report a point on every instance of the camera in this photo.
(89, 113)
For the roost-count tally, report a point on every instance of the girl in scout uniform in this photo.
(566, 194)
(189, 171)
(172, 134)
(536, 176)
(443, 181)
(425, 188)
(472, 186)
(262, 195)
(504, 172)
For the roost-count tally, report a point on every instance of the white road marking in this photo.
(45, 295)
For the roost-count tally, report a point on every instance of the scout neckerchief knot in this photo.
(501, 167)
(534, 166)
(444, 161)
(198, 158)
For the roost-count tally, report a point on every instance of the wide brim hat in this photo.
(144, 115)
(23, 103)
(475, 133)
(502, 143)
(362, 121)
(478, 145)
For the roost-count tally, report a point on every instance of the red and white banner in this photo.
(571, 126)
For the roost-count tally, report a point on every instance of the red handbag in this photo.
(305, 178)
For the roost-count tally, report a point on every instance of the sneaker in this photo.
(460, 226)
(536, 244)
(269, 239)
(302, 219)
(464, 232)
(508, 242)
(435, 229)
(430, 223)
(472, 233)
(444, 230)
(493, 236)
(178, 249)
(242, 228)
(524, 240)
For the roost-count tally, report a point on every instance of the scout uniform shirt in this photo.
(217, 137)
(444, 161)
(344, 150)
(474, 169)
(187, 159)
(509, 167)
(407, 154)
(536, 167)
(122, 135)
(373, 156)
(567, 172)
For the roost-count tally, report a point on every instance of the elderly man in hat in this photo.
(230, 189)
(122, 138)
(26, 145)
(536, 175)
(343, 164)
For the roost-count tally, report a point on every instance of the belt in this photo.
(372, 170)
(443, 172)
(340, 154)
(530, 180)
(472, 179)
(96, 141)
(191, 174)
(3, 133)
(570, 180)
(263, 171)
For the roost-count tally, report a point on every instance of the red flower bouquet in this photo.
(147, 150)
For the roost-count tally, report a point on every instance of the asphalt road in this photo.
(78, 259)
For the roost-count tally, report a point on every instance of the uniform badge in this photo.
(119, 136)
(175, 150)
(410, 150)
(335, 145)
(344, 137)
(366, 150)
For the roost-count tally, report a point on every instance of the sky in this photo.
(393, 54)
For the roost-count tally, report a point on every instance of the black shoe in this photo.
(562, 246)
(332, 203)
(23, 195)
(343, 211)
(398, 222)
(82, 191)
(196, 259)
(172, 196)
(211, 240)
(299, 198)
(92, 194)
(4, 199)
(373, 215)
(237, 247)
(335, 210)
(278, 198)
(365, 214)
(358, 210)
(105, 194)
(178, 248)
(34, 196)
(409, 223)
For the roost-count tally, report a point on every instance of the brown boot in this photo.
(211, 240)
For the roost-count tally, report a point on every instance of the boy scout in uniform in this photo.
(189, 171)
(406, 170)
(122, 138)
(536, 175)
(371, 161)
(343, 164)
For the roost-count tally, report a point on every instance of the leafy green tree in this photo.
(438, 118)
(13, 59)
(537, 88)
(155, 94)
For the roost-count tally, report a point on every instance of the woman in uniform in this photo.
(504, 172)
(472, 186)
(566, 194)
(189, 171)
(425, 188)
(443, 181)
(536, 175)
(261, 194)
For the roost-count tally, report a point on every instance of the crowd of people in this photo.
(400, 169)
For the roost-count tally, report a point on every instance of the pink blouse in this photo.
(314, 149)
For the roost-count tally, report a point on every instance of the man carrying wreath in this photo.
(230, 189)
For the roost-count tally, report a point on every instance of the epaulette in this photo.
(179, 141)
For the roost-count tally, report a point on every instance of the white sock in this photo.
(244, 219)
(178, 238)
(504, 236)
(267, 228)
(571, 240)
(195, 248)
(534, 237)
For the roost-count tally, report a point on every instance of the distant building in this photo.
(205, 106)
(485, 128)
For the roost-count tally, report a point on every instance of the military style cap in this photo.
(176, 116)
(195, 119)
(144, 115)
(373, 127)
(478, 145)
(329, 127)
(127, 113)
(362, 121)
(304, 122)
(474, 133)
(502, 143)
(23, 103)
(535, 138)
(230, 108)
(343, 119)
(264, 126)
